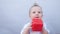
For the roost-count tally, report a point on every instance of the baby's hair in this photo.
(35, 4)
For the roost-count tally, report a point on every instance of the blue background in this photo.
(14, 14)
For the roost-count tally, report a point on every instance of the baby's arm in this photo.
(26, 29)
(44, 31)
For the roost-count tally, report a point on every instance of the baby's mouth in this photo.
(36, 17)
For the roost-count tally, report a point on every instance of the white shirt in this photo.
(44, 25)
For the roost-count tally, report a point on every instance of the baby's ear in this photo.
(29, 15)
(42, 14)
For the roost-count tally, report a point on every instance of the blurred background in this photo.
(14, 14)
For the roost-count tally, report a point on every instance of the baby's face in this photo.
(36, 12)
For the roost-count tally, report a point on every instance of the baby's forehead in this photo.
(36, 8)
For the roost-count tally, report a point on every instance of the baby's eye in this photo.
(34, 12)
(39, 12)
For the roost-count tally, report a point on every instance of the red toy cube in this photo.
(37, 24)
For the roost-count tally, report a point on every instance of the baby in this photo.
(35, 12)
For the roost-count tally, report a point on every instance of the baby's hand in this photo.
(28, 27)
(26, 30)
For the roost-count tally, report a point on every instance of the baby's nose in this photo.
(36, 12)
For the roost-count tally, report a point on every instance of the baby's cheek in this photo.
(32, 16)
(40, 15)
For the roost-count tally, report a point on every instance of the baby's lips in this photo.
(36, 17)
